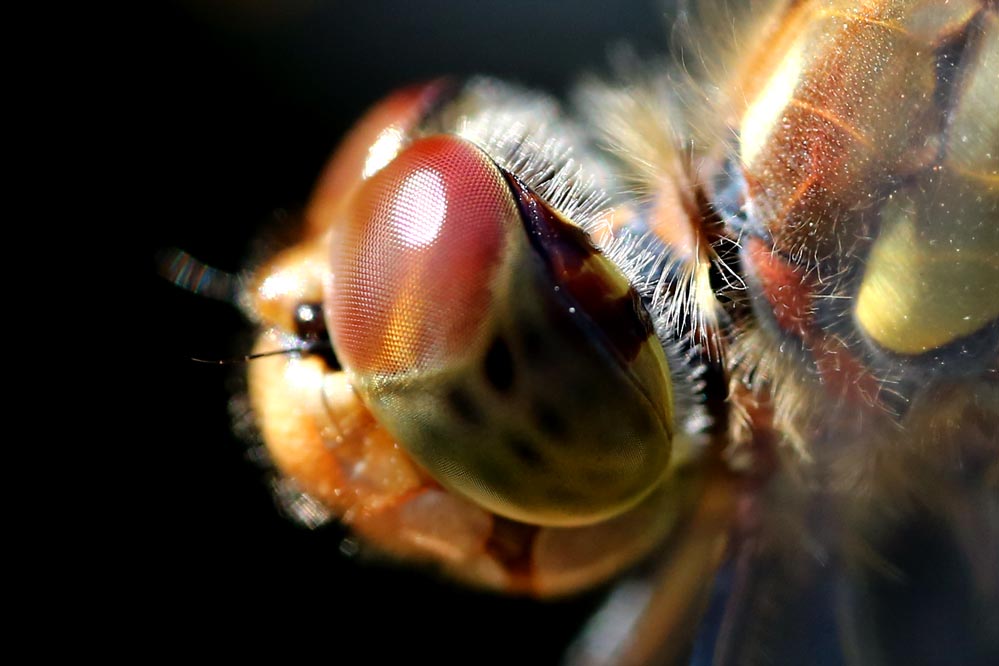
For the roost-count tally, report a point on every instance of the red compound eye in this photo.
(371, 144)
(413, 263)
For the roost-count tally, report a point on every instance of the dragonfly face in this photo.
(742, 323)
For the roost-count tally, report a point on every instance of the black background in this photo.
(245, 102)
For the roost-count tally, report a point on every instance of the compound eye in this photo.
(371, 144)
(500, 349)
(294, 276)
(412, 267)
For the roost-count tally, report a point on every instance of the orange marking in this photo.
(815, 174)
(863, 18)
(835, 120)
(799, 192)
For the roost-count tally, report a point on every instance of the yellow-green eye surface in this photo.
(459, 302)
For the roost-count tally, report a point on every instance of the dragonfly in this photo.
(724, 331)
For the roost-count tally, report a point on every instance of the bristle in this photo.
(770, 377)
(638, 121)
(643, 124)
(526, 134)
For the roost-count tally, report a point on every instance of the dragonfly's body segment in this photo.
(740, 321)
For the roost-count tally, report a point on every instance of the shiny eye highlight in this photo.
(459, 301)
(372, 143)
(412, 265)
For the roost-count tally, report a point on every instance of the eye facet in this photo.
(439, 211)
(371, 144)
(459, 301)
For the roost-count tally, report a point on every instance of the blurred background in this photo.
(246, 102)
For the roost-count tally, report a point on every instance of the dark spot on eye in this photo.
(532, 345)
(642, 422)
(526, 452)
(623, 320)
(499, 366)
(565, 249)
(564, 246)
(463, 404)
(310, 326)
(549, 421)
